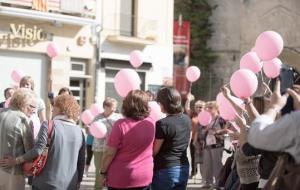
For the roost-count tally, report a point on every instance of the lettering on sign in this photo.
(21, 36)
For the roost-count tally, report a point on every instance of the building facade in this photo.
(237, 24)
(27, 27)
(129, 25)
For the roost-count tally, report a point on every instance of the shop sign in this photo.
(21, 35)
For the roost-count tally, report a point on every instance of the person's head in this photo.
(8, 92)
(199, 106)
(24, 100)
(135, 105)
(151, 95)
(66, 105)
(169, 100)
(212, 107)
(27, 82)
(109, 106)
(65, 90)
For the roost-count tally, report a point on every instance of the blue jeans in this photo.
(174, 178)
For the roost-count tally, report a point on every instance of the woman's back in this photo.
(133, 164)
(175, 131)
(66, 151)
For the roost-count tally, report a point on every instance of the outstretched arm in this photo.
(187, 105)
(229, 97)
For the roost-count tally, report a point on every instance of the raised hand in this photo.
(226, 92)
(295, 93)
(278, 100)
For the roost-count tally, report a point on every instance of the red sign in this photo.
(181, 44)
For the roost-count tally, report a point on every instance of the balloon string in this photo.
(267, 87)
(190, 89)
(262, 75)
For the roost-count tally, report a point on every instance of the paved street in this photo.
(88, 182)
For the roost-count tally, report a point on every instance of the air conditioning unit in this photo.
(78, 68)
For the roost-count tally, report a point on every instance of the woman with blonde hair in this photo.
(213, 145)
(16, 136)
(65, 163)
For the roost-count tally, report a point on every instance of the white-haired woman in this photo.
(16, 136)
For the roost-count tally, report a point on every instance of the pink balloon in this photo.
(251, 61)
(17, 75)
(272, 68)
(126, 80)
(243, 83)
(226, 110)
(87, 117)
(136, 58)
(52, 50)
(96, 109)
(155, 111)
(204, 118)
(7, 102)
(98, 130)
(268, 45)
(192, 73)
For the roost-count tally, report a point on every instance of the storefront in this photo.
(23, 46)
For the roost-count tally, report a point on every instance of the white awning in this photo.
(45, 16)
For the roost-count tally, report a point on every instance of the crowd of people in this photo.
(136, 153)
(140, 153)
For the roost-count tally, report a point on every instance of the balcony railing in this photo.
(131, 26)
(80, 8)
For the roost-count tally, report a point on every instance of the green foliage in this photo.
(198, 12)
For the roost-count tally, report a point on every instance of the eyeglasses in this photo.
(32, 106)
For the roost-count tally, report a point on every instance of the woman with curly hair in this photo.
(128, 161)
(65, 163)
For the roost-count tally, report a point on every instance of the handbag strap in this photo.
(50, 127)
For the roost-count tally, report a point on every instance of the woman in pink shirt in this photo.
(128, 161)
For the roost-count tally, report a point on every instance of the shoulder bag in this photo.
(35, 167)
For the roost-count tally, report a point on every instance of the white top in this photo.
(35, 117)
(282, 135)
